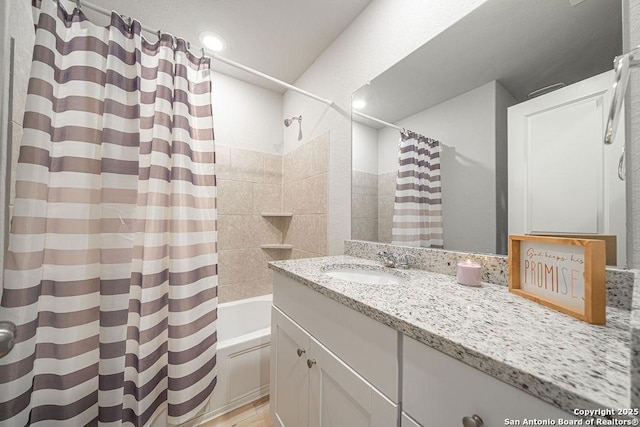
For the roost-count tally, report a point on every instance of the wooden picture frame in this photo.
(565, 274)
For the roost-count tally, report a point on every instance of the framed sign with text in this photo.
(565, 274)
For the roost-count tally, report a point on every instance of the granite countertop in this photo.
(564, 361)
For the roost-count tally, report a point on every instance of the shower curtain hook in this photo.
(78, 5)
(203, 55)
(159, 35)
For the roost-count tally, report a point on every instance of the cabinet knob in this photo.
(301, 352)
(310, 363)
(472, 421)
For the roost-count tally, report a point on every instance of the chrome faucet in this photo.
(402, 261)
(388, 259)
(406, 260)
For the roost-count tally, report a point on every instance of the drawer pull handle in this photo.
(472, 421)
(310, 363)
(301, 352)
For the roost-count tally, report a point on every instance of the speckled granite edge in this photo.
(635, 343)
(495, 268)
(540, 387)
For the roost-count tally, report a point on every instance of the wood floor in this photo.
(254, 414)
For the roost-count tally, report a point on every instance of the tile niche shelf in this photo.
(285, 215)
(277, 246)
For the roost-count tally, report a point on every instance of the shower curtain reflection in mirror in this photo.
(417, 211)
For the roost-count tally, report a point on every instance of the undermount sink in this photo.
(363, 275)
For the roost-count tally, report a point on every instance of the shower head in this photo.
(287, 122)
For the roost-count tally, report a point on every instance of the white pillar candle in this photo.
(469, 273)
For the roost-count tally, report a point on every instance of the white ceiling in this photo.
(524, 44)
(277, 37)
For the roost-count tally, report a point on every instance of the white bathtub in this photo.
(244, 349)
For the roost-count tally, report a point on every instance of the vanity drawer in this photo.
(438, 390)
(367, 346)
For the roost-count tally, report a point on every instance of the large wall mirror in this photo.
(517, 92)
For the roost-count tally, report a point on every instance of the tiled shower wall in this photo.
(364, 206)
(249, 184)
(304, 182)
(386, 197)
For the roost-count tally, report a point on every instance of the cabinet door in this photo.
(290, 386)
(339, 397)
(439, 390)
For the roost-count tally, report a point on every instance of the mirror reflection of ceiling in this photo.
(525, 44)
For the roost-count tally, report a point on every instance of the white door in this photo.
(290, 385)
(562, 178)
(339, 397)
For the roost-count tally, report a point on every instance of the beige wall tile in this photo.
(278, 254)
(223, 162)
(296, 164)
(250, 183)
(364, 183)
(267, 198)
(364, 206)
(319, 155)
(230, 231)
(385, 218)
(308, 233)
(298, 254)
(246, 165)
(385, 206)
(258, 230)
(272, 169)
(234, 197)
(291, 200)
(384, 231)
(387, 183)
(231, 266)
(287, 168)
(238, 291)
(364, 229)
(321, 236)
(314, 194)
(242, 266)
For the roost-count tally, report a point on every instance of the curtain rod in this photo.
(215, 56)
(382, 122)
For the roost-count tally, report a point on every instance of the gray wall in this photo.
(504, 100)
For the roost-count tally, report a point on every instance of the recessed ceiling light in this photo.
(359, 104)
(212, 41)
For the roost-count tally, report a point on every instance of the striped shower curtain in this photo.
(111, 273)
(417, 211)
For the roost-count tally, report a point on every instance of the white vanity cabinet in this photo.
(314, 388)
(438, 390)
(331, 366)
